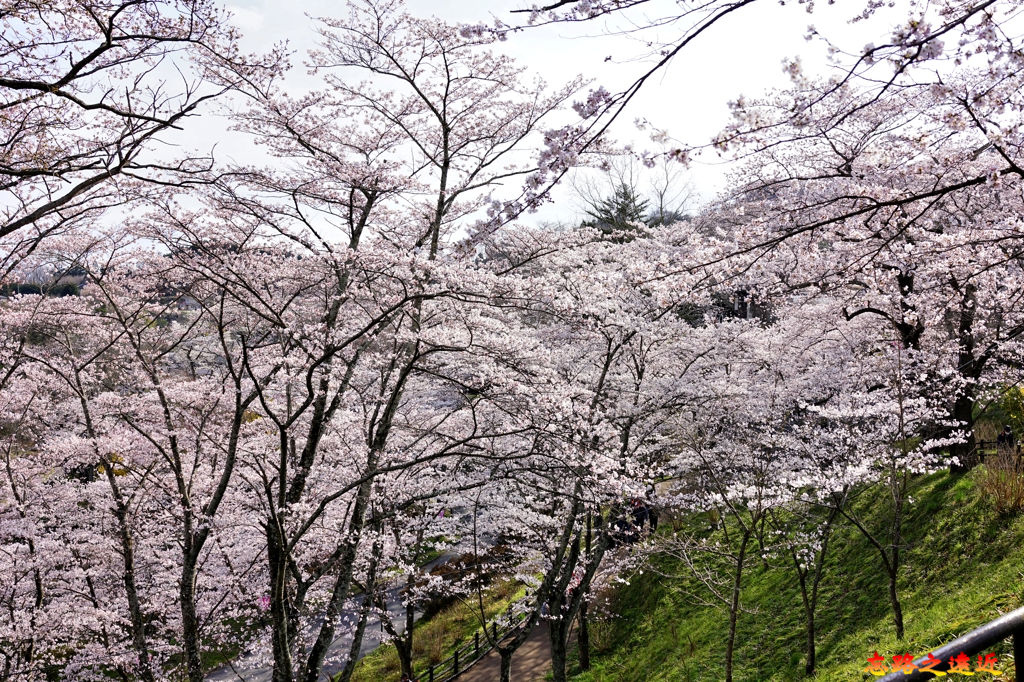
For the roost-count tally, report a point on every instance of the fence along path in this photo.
(474, 650)
(478, 662)
(530, 662)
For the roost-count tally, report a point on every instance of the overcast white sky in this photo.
(742, 55)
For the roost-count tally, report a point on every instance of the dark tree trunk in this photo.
(910, 332)
(761, 543)
(364, 615)
(145, 666)
(190, 620)
(559, 634)
(583, 638)
(890, 560)
(280, 635)
(808, 616)
(894, 599)
(899, 484)
(506, 664)
(812, 650)
(966, 452)
(138, 623)
(357, 642)
(809, 590)
(404, 649)
(734, 604)
(568, 602)
(343, 583)
(969, 368)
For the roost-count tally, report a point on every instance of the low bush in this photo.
(1002, 481)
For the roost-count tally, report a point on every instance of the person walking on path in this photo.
(1006, 439)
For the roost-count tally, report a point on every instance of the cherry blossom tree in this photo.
(914, 47)
(88, 89)
(142, 429)
(286, 384)
(383, 178)
(616, 357)
(847, 197)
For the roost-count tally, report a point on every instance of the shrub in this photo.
(25, 289)
(1002, 480)
(66, 289)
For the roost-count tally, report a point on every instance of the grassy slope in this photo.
(964, 566)
(436, 639)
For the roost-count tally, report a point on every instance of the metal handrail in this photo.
(469, 654)
(1009, 625)
(982, 446)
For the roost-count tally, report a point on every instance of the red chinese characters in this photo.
(959, 664)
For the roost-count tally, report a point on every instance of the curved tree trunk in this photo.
(364, 615)
(357, 642)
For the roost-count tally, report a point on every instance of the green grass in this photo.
(964, 565)
(436, 639)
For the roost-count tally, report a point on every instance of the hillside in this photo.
(963, 566)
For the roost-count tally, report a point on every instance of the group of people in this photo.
(628, 526)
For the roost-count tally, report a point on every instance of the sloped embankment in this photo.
(964, 565)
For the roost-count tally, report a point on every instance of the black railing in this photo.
(987, 448)
(974, 642)
(469, 653)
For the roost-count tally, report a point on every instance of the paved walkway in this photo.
(530, 663)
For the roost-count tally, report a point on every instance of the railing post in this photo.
(430, 674)
(494, 631)
(476, 645)
(455, 662)
(1018, 653)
